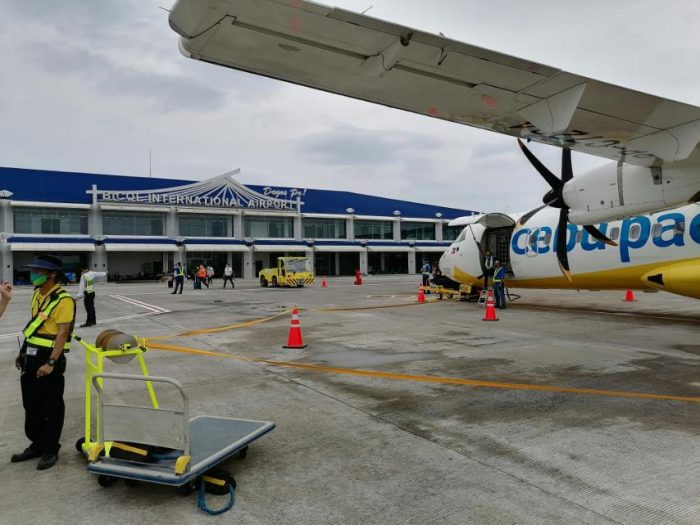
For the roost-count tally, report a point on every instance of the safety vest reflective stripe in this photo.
(89, 284)
(499, 275)
(180, 272)
(44, 340)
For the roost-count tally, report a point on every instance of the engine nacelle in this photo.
(681, 278)
(617, 191)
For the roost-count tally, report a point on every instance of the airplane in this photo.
(657, 251)
(651, 141)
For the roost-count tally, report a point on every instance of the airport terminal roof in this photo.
(71, 187)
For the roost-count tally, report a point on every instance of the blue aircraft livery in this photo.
(664, 230)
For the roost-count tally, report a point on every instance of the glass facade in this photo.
(450, 233)
(374, 229)
(268, 227)
(132, 223)
(417, 231)
(49, 220)
(324, 228)
(204, 225)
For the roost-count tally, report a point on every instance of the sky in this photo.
(93, 86)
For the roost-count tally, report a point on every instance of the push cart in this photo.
(194, 446)
(119, 348)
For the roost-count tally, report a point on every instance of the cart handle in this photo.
(132, 377)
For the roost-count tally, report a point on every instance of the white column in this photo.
(95, 221)
(438, 231)
(7, 223)
(99, 259)
(249, 265)
(7, 262)
(298, 232)
(397, 230)
(412, 261)
(172, 224)
(363, 261)
(238, 226)
(350, 228)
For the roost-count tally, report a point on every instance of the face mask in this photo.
(38, 279)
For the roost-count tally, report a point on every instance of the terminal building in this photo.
(140, 227)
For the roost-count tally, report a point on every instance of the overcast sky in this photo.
(91, 85)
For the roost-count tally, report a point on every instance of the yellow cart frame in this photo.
(94, 365)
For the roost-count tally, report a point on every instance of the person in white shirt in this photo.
(228, 276)
(87, 291)
(210, 274)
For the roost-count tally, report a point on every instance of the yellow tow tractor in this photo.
(290, 271)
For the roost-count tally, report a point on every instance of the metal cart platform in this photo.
(194, 446)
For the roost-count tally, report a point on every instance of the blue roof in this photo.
(71, 187)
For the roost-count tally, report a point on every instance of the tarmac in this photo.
(575, 407)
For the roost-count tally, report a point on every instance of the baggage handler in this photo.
(499, 275)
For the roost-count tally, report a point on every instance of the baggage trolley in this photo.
(196, 445)
(120, 348)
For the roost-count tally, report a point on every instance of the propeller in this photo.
(554, 198)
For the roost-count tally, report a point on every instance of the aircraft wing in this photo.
(369, 59)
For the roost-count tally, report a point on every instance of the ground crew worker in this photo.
(210, 274)
(499, 276)
(228, 275)
(426, 272)
(42, 361)
(179, 277)
(87, 291)
(5, 296)
(488, 268)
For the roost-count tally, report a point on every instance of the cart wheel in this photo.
(449, 296)
(106, 481)
(243, 453)
(131, 482)
(439, 297)
(187, 489)
(79, 445)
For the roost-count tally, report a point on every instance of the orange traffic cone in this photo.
(295, 340)
(324, 284)
(490, 312)
(629, 297)
(421, 295)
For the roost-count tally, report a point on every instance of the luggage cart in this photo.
(124, 348)
(197, 444)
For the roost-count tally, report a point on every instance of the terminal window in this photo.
(204, 225)
(132, 223)
(450, 233)
(374, 229)
(324, 229)
(268, 227)
(417, 231)
(48, 220)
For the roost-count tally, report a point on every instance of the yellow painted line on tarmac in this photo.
(375, 307)
(428, 379)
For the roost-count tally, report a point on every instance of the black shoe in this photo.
(172, 293)
(27, 454)
(85, 325)
(47, 461)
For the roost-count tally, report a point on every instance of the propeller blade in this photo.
(550, 177)
(598, 235)
(522, 220)
(562, 255)
(567, 170)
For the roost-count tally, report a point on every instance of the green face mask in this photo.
(38, 279)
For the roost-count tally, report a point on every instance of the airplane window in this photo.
(579, 236)
(656, 231)
(547, 238)
(635, 232)
(532, 241)
(614, 233)
(679, 227)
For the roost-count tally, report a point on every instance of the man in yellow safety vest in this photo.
(86, 291)
(42, 361)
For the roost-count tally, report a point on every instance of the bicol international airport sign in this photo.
(220, 192)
